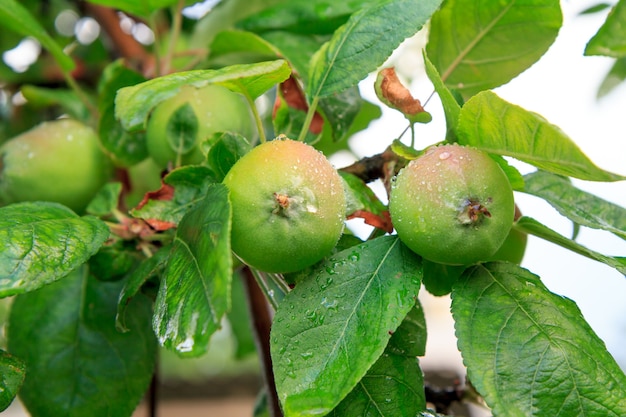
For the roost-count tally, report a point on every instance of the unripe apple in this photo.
(143, 177)
(288, 206)
(58, 161)
(211, 109)
(452, 205)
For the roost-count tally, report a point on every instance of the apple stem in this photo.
(82, 96)
(255, 113)
(157, 41)
(177, 18)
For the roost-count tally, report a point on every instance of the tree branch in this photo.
(262, 322)
(382, 165)
(123, 43)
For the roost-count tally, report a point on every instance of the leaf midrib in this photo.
(356, 305)
(479, 36)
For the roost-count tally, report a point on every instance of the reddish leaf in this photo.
(294, 97)
(382, 221)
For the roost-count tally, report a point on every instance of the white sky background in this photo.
(562, 88)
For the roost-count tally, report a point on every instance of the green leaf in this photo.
(225, 17)
(340, 110)
(595, 8)
(328, 143)
(288, 120)
(226, 149)
(116, 75)
(133, 104)
(239, 47)
(78, 363)
(614, 78)
(195, 286)
(529, 351)
(303, 16)
(189, 184)
(12, 373)
(439, 278)
(531, 226)
(147, 269)
(106, 201)
(494, 125)
(182, 129)
(364, 42)
(16, 18)
(113, 262)
(42, 242)
(394, 385)
(451, 107)
(410, 338)
(579, 206)
(610, 40)
(334, 325)
(297, 49)
(126, 148)
(405, 151)
(515, 177)
(68, 100)
(477, 45)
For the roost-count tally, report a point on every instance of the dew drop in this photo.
(311, 315)
(444, 155)
(330, 305)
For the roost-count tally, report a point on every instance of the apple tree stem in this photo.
(261, 323)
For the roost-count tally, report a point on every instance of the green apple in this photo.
(452, 205)
(58, 161)
(288, 206)
(199, 113)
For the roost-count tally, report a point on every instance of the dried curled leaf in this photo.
(394, 94)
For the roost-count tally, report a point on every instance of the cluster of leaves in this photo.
(95, 295)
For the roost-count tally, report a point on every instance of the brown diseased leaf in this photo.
(294, 97)
(391, 91)
(165, 193)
